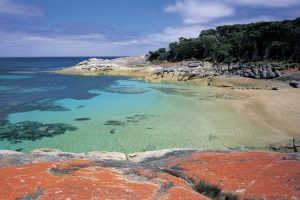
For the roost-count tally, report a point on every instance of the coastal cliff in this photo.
(165, 174)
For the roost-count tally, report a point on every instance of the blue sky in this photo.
(121, 27)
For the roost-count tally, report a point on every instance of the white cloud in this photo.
(197, 11)
(12, 8)
(168, 35)
(205, 11)
(267, 3)
(27, 44)
(261, 18)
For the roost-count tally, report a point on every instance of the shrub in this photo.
(207, 189)
(213, 191)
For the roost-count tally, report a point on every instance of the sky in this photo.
(121, 27)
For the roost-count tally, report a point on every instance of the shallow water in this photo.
(81, 114)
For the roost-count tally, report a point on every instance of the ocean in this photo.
(41, 109)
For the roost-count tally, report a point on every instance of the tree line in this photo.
(272, 41)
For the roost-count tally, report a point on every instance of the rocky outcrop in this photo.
(95, 64)
(287, 146)
(179, 71)
(167, 174)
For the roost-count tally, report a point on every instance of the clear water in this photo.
(114, 113)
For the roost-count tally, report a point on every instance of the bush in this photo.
(209, 190)
(213, 191)
(230, 196)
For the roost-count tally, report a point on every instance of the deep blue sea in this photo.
(26, 81)
(42, 109)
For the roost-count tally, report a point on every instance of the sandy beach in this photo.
(277, 110)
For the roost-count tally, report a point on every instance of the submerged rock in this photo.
(82, 119)
(114, 123)
(30, 130)
(125, 90)
(112, 131)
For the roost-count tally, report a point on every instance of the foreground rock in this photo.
(168, 174)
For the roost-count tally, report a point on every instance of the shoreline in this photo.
(269, 102)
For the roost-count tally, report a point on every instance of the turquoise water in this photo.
(8, 77)
(118, 114)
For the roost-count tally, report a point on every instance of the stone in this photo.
(193, 64)
(271, 75)
(277, 73)
(45, 150)
(255, 71)
(9, 152)
(104, 155)
(287, 146)
(295, 84)
(263, 74)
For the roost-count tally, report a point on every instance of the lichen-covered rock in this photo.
(166, 174)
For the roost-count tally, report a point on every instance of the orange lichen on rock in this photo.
(88, 180)
(78, 180)
(248, 174)
(171, 187)
(169, 176)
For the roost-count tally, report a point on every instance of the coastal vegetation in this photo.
(262, 41)
(213, 191)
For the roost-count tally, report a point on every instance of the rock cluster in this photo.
(288, 146)
(193, 69)
(185, 70)
(188, 70)
(257, 71)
